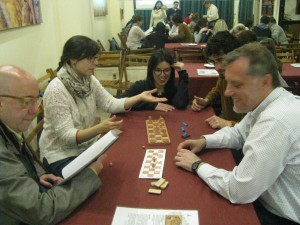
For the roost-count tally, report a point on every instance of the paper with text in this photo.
(207, 72)
(137, 216)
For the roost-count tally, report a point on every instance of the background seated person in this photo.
(161, 75)
(158, 38)
(28, 194)
(194, 20)
(70, 104)
(200, 31)
(184, 34)
(262, 30)
(136, 34)
(219, 26)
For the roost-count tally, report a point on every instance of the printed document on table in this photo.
(207, 72)
(137, 216)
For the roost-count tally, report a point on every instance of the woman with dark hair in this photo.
(158, 14)
(184, 34)
(158, 38)
(136, 34)
(70, 103)
(161, 75)
(200, 31)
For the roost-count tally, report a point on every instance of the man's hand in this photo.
(193, 145)
(146, 96)
(185, 159)
(97, 166)
(217, 122)
(164, 107)
(50, 180)
(199, 103)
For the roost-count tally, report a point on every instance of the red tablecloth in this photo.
(201, 85)
(122, 187)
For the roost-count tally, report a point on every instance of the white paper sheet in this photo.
(295, 64)
(137, 216)
(207, 72)
(93, 152)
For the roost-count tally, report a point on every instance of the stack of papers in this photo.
(136, 216)
(207, 72)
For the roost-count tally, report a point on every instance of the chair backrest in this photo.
(189, 55)
(286, 55)
(101, 45)
(123, 40)
(144, 51)
(114, 59)
(34, 132)
(134, 60)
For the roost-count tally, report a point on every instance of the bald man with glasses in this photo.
(28, 195)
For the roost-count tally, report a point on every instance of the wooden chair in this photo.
(123, 39)
(113, 59)
(101, 46)
(135, 60)
(286, 56)
(189, 55)
(144, 51)
(33, 134)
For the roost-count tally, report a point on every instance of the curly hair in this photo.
(221, 43)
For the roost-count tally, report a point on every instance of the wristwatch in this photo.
(195, 166)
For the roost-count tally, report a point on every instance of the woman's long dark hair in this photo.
(78, 47)
(158, 57)
(156, 4)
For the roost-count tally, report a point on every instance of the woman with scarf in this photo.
(70, 104)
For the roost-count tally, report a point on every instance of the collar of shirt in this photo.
(18, 135)
(268, 100)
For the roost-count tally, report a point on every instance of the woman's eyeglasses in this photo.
(159, 71)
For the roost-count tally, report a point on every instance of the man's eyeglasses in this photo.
(27, 102)
(165, 71)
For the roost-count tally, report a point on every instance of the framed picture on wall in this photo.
(100, 8)
(19, 13)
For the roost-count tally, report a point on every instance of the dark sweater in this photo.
(178, 96)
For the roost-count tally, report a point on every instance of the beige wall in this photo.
(36, 48)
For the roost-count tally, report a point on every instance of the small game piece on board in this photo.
(185, 135)
(164, 185)
(110, 164)
(159, 182)
(184, 123)
(154, 191)
(182, 129)
(154, 159)
(150, 169)
(157, 132)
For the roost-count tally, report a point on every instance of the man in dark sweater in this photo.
(262, 30)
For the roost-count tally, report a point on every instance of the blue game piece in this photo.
(182, 129)
(184, 123)
(185, 135)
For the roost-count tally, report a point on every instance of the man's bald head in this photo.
(12, 75)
